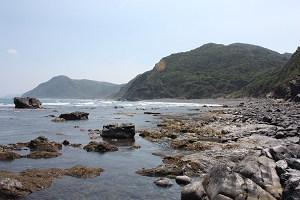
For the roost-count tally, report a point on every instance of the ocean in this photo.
(119, 180)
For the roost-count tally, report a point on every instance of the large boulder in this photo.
(75, 116)
(124, 130)
(254, 177)
(27, 102)
(192, 191)
(262, 172)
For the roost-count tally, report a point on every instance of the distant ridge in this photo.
(63, 87)
(210, 71)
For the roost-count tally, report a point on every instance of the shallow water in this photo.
(119, 180)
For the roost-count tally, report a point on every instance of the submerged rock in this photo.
(14, 186)
(8, 155)
(135, 147)
(27, 102)
(57, 119)
(42, 154)
(40, 147)
(161, 170)
(156, 135)
(42, 143)
(75, 116)
(124, 130)
(100, 147)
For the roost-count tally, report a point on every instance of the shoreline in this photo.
(255, 135)
(250, 131)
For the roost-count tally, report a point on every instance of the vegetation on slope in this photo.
(275, 82)
(63, 87)
(212, 70)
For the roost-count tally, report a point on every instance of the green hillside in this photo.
(63, 87)
(212, 70)
(275, 82)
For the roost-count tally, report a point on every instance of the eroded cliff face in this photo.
(160, 66)
(294, 89)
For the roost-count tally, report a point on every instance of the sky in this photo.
(115, 40)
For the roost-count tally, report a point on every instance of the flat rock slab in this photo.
(13, 186)
(75, 116)
(161, 170)
(124, 130)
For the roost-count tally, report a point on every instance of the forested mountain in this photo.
(65, 88)
(212, 70)
(276, 83)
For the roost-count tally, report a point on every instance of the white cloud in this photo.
(12, 51)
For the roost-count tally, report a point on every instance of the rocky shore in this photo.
(256, 156)
(245, 149)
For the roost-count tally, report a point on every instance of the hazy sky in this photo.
(116, 40)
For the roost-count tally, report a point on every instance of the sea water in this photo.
(119, 180)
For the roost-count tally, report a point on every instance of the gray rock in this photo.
(267, 119)
(27, 102)
(279, 135)
(163, 182)
(253, 178)
(295, 149)
(297, 98)
(222, 180)
(266, 152)
(192, 191)
(294, 163)
(281, 167)
(261, 170)
(292, 185)
(124, 130)
(183, 180)
(280, 152)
